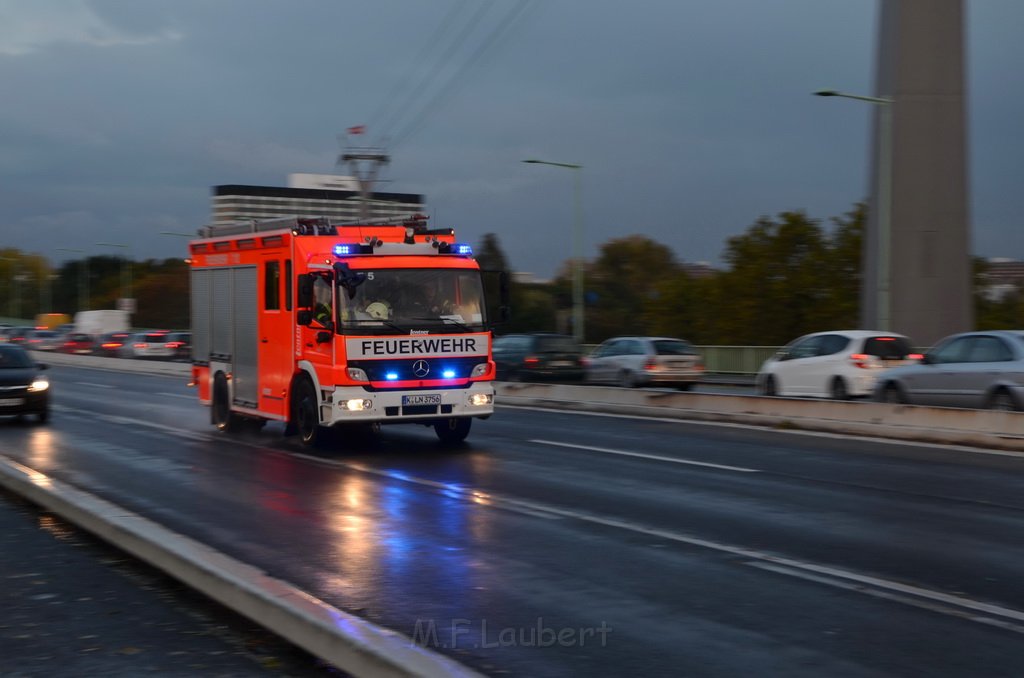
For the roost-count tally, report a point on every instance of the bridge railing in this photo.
(729, 360)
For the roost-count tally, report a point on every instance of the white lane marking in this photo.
(178, 395)
(778, 564)
(126, 421)
(905, 599)
(89, 383)
(769, 429)
(652, 457)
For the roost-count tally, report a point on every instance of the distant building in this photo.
(698, 269)
(308, 195)
(527, 278)
(1002, 277)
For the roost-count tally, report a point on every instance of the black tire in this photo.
(43, 416)
(626, 379)
(684, 387)
(770, 388)
(838, 389)
(453, 430)
(1003, 401)
(221, 415)
(306, 413)
(892, 394)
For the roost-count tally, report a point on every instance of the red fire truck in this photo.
(318, 325)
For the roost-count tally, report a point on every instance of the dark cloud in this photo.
(692, 119)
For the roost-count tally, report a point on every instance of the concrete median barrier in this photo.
(986, 428)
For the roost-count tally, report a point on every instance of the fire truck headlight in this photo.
(357, 374)
(479, 370)
(358, 404)
(480, 399)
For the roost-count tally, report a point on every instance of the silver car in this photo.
(645, 361)
(973, 369)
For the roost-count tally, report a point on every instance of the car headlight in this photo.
(39, 385)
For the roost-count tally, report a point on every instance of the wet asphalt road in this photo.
(566, 544)
(74, 606)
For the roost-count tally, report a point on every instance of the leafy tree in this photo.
(490, 255)
(778, 282)
(623, 283)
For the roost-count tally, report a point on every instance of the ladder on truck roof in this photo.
(303, 225)
(315, 226)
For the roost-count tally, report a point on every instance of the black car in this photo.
(23, 390)
(539, 355)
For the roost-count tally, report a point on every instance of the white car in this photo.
(840, 364)
(151, 344)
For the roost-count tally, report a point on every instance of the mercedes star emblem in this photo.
(421, 368)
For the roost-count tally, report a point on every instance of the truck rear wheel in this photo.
(220, 412)
(306, 413)
(452, 430)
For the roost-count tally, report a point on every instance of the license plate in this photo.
(422, 399)
(10, 402)
(560, 363)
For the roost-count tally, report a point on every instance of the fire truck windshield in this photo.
(403, 299)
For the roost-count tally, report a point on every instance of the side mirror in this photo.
(304, 294)
(323, 337)
(782, 355)
(304, 318)
(43, 366)
(927, 359)
(504, 313)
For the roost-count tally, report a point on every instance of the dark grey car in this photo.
(973, 369)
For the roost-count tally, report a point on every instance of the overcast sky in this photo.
(692, 118)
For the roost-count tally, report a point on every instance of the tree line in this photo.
(784, 276)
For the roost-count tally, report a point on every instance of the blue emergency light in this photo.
(346, 249)
(448, 374)
(391, 376)
(462, 249)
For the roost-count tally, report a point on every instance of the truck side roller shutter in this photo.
(221, 314)
(200, 315)
(245, 341)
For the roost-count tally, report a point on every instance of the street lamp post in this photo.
(126, 270)
(883, 193)
(83, 278)
(577, 245)
(13, 300)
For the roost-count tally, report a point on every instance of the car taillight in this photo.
(531, 359)
(174, 344)
(140, 345)
(915, 356)
(860, 359)
(650, 364)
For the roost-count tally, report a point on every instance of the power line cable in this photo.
(412, 96)
(435, 39)
(499, 34)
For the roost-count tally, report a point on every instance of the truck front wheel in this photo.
(453, 430)
(306, 413)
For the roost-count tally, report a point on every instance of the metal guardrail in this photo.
(729, 360)
(735, 360)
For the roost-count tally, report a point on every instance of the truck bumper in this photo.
(355, 404)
